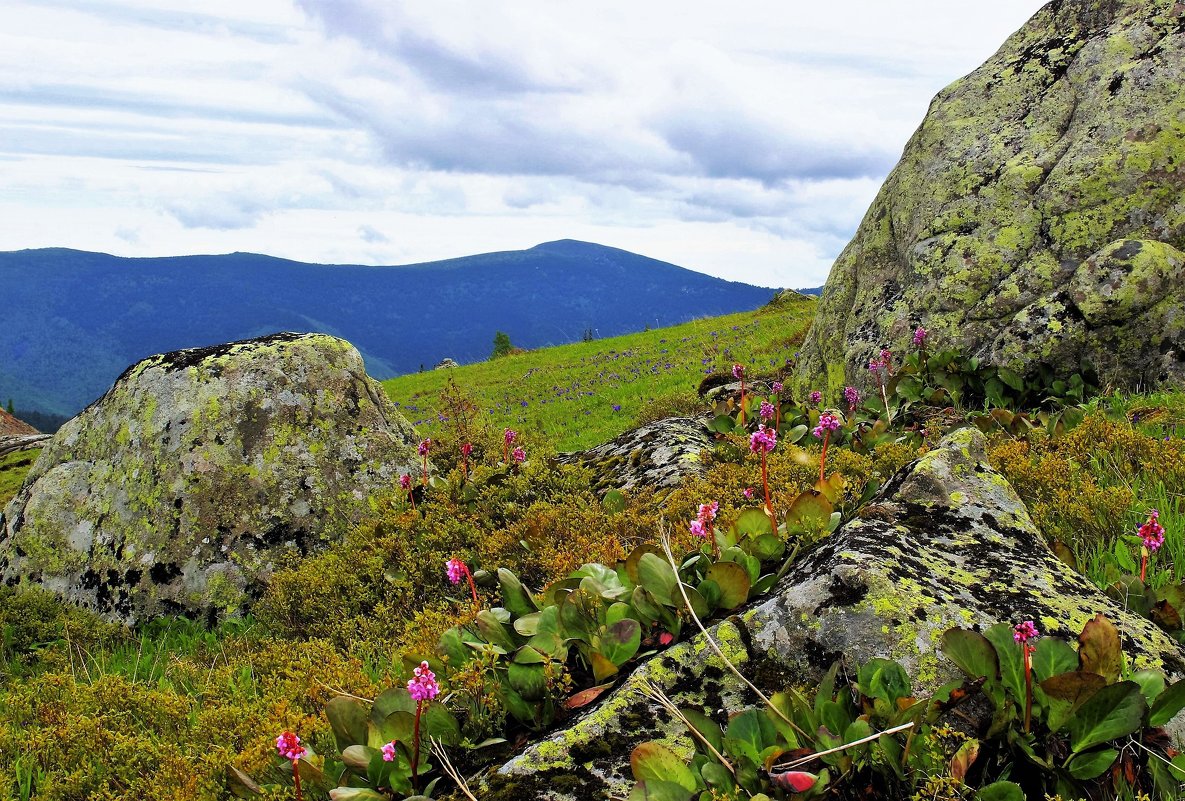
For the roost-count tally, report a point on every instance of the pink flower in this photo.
(288, 744)
(852, 396)
(766, 411)
(509, 436)
(886, 358)
(738, 372)
(1152, 533)
(763, 440)
(519, 455)
(455, 569)
(827, 422)
(748, 493)
(389, 754)
(919, 336)
(697, 529)
(467, 449)
(666, 638)
(1023, 632)
(776, 387)
(707, 511)
(424, 447)
(816, 397)
(405, 481)
(422, 685)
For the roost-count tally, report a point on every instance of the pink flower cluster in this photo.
(424, 447)
(852, 396)
(1152, 532)
(738, 371)
(702, 525)
(1023, 632)
(776, 387)
(455, 569)
(816, 397)
(467, 449)
(827, 423)
(405, 481)
(763, 440)
(919, 336)
(389, 753)
(519, 455)
(884, 362)
(509, 436)
(748, 493)
(288, 744)
(422, 685)
(766, 411)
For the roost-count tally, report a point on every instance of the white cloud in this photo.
(745, 140)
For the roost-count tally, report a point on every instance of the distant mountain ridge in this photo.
(73, 320)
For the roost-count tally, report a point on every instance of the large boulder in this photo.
(1038, 213)
(181, 488)
(947, 543)
(658, 455)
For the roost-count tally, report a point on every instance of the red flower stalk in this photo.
(405, 482)
(466, 449)
(289, 747)
(827, 423)
(457, 569)
(422, 687)
(762, 441)
(1152, 535)
(1023, 633)
(424, 447)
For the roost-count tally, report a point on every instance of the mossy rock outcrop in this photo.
(1038, 213)
(180, 489)
(658, 455)
(947, 543)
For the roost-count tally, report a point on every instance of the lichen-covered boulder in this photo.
(658, 455)
(1038, 213)
(180, 489)
(946, 543)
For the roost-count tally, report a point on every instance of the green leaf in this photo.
(657, 790)
(1151, 684)
(766, 547)
(494, 632)
(514, 596)
(972, 652)
(1168, 704)
(654, 762)
(1066, 692)
(705, 726)
(733, 581)
(752, 522)
(436, 721)
(529, 681)
(656, 575)
(810, 512)
(355, 794)
(347, 718)
(749, 733)
(1114, 711)
(1053, 656)
(884, 679)
(620, 641)
(1092, 764)
(1099, 649)
(614, 501)
(1011, 378)
(1011, 658)
(1000, 791)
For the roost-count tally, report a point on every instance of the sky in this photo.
(744, 140)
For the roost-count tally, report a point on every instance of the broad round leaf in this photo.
(652, 761)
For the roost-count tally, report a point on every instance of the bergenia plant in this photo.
(704, 526)
(1152, 537)
(405, 483)
(508, 438)
(762, 441)
(827, 424)
(851, 396)
(1024, 633)
(422, 687)
(815, 398)
(466, 450)
(919, 337)
(289, 747)
(456, 570)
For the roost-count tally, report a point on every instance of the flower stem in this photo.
(769, 509)
(296, 778)
(1028, 688)
(1143, 566)
(415, 752)
(472, 586)
(411, 499)
(742, 419)
(424, 479)
(823, 458)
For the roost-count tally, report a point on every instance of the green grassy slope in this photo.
(13, 468)
(567, 395)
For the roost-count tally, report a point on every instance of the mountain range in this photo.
(72, 320)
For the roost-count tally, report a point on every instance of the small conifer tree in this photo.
(502, 346)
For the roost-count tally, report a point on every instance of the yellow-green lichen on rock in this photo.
(182, 487)
(1037, 214)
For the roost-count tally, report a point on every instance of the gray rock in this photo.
(445, 364)
(180, 489)
(1036, 216)
(947, 543)
(659, 454)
